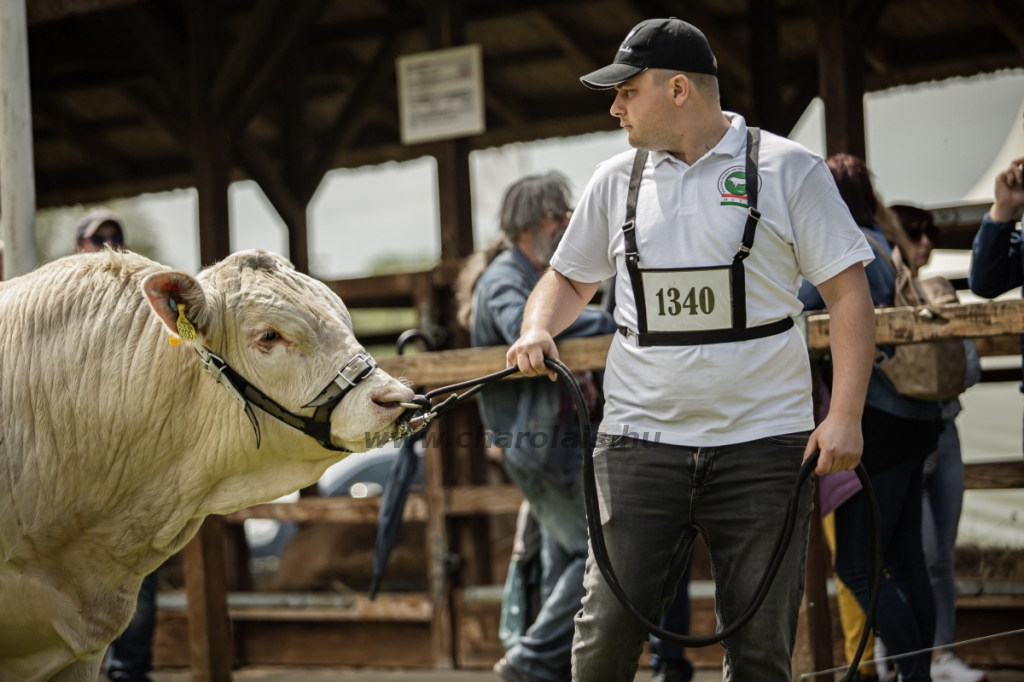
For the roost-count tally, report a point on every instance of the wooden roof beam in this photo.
(297, 26)
(582, 59)
(99, 153)
(237, 68)
(164, 53)
(342, 131)
(1008, 17)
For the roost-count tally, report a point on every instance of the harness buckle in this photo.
(753, 213)
(356, 369)
(744, 249)
(214, 365)
(628, 226)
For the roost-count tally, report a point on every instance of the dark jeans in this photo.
(894, 452)
(131, 654)
(675, 619)
(654, 499)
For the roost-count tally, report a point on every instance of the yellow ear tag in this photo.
(175, 341)
(185, 329)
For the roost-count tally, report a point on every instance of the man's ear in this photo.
(167, 291)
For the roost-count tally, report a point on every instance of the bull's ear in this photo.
(167, 291)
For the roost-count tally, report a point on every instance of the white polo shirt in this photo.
(693, 216)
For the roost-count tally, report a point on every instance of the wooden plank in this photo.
(451, 366)
(209, 631)
(239, 64)
(908, 325)
(482, 499)
(368, 292)
(994, 476)
(996, 346)
(328, 510)
(392, 608)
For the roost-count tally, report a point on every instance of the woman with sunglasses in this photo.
(98, 228)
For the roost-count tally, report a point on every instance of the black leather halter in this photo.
(317, 427)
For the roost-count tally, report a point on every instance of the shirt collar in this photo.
(525, 264)
(732, 143)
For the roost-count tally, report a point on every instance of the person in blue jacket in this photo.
(899, 432)
(533, 419)
(998, 263)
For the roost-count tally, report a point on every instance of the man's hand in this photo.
(528, 353)
(841, 443)
(1009, 192)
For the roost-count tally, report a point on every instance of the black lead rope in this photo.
(597, 535)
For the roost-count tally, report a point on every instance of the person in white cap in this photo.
(708, 365)
(97, 229)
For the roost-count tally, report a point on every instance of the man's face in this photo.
(107, 233)
(647, 111)
(546, 235)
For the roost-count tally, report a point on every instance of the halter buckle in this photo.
(356, 369)
(754, 213)
(214, 365)
(629, 226)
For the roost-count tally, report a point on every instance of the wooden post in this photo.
(446, 28)
(441, 640)
(841, 78)
(293, 138)
(210, 645)
(765, 65)
(211, 145)
(209, 632)
(17, 165)
(813, 649)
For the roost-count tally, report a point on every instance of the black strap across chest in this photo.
(739, 330)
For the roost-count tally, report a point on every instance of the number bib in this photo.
(688, 300)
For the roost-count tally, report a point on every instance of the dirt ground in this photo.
(364, 675)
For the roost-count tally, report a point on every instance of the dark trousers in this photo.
(675, 619)
(654, 499)
(131, 654)
(894, 452)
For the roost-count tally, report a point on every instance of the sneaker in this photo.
(669, 674)
(510, 673)
(949, 668)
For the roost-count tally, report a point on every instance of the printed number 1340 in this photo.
(694, 301)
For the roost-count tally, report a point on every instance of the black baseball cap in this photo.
(656, 44)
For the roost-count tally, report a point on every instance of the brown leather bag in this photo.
(934, 370)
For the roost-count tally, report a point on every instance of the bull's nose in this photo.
(391, 396)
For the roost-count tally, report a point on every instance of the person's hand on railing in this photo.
(529, 350)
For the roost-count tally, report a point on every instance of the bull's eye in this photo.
(269, 337)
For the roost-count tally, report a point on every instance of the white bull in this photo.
(114, 444)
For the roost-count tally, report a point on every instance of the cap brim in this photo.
(610, 76)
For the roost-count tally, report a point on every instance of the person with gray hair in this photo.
(532, 419)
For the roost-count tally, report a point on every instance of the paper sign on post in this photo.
(441, 94)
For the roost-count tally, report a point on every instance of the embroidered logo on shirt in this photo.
(732, 185)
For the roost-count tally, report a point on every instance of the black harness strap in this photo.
(739, 275)
(318, 426)
(739, 330)
(629, 237)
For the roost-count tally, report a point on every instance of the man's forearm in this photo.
(852, 338)
(555, 303)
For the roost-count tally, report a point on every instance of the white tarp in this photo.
(1013, 148)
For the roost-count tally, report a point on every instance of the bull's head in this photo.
(286, 333)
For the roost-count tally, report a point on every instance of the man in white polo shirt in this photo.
(708, 383)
